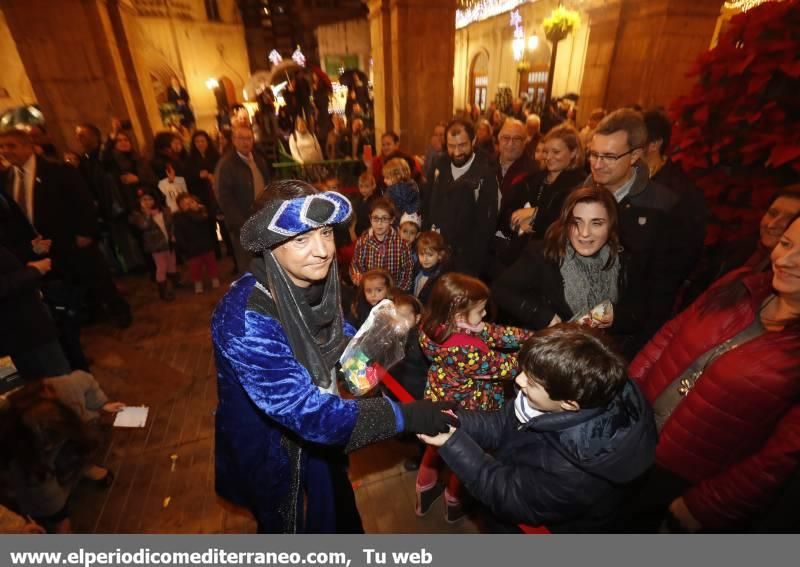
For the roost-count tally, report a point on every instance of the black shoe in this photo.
(411, 465)
(175, 278)
(426, 498)
(121, 316)
(454, 512)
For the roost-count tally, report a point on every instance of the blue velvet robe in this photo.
(266, 397)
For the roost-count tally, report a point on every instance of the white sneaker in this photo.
(198, 287)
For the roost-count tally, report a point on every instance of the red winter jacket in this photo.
(736, 435)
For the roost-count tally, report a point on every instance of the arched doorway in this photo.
(534, 78)
(479, 80)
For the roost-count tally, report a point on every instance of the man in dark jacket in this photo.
(652, 227)
(241, 176)
(28, 334)
(55, 202)
(568, 448)
(461, 203)
(692, 202)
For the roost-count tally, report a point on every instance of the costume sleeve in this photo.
(282, 388)
(748, 486)
(505, 336)
(516, 494)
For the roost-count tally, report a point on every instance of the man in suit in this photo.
(241, 177)
(58, 209)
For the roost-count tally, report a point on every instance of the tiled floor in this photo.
(165, 471)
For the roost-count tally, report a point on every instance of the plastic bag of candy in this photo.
(380, 340)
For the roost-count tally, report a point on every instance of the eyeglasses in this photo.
(381, 219)
(511, 139)
(609, 158)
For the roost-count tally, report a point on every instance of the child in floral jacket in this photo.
(465, 369)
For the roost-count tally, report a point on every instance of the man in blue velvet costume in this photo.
(282, 431)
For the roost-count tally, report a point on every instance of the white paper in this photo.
(132, 416)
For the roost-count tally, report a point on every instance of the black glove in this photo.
(428, 417)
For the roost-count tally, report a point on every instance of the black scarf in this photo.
(311, 317)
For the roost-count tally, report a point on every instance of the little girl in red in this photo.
(465, 369)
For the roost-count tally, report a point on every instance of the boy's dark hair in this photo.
(384, 204)
(659, 127)
(574, 363)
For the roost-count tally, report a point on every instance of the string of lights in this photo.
(471, 11)
(743, 5)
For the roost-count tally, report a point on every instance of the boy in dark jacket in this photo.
(578, 433)
(194, 240)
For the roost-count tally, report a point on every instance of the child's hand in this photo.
(113, 407)
(437, 440)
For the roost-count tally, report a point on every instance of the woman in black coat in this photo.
(531, 207)
(577, 267)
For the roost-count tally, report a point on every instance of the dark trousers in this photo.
(647, 508)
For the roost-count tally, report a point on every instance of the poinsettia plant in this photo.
(737, 133)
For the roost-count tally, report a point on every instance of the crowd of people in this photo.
(578, 362)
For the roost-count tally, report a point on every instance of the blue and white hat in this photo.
(279, 221)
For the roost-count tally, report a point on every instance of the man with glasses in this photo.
(463, 200)
(514, 166)
(651, 226)
(241, 176)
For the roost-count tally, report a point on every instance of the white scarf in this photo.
(523, 408)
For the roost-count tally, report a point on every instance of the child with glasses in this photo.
(381, 247)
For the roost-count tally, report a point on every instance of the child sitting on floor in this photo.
(562, 455)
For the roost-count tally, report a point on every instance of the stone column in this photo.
(380, 38)
(640, 51)
(414, 88)
(76, 64)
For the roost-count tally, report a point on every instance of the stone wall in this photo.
(640, 51)
(15, 87)
(94, 59)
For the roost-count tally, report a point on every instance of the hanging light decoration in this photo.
(471, 11)
(518, 44)
(743, 5)
(298, 57)
(274, 57)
